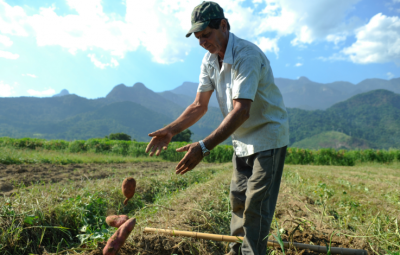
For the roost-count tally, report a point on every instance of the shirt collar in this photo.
(228, 58)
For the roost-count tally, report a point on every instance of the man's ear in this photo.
(224, 25)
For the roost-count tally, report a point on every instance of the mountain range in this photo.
(303, 93)
(366, 120)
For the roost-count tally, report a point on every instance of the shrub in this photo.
(184, 136)
(120, 137)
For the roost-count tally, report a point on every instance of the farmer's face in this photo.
(214, 40)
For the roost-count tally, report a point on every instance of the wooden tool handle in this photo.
(197, 235)
(238, 239)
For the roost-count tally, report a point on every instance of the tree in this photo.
(119, 136)
(183, 136)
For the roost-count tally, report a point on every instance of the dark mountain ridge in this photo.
(373, 116)
(139, 94)
(309, 95)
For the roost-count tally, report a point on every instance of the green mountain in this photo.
(189, 89)
(305, 94)
(308, 95)
(127, 117)
(139, 94)
(370, 119)
(333, 139)
(179, 99)
(22, 109)
(168, 104)
(373, 116)
(72, 117)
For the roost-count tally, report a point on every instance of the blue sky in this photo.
(90, 46)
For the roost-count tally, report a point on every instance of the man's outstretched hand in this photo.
(192, 158)
(161, 139)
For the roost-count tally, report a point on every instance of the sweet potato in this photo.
(118, 239)
(128, 188)
(116, 220)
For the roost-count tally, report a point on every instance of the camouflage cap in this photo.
(203, 13)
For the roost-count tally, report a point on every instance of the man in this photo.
(254, 116)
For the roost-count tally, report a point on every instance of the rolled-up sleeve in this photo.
(205, 83)
(246, 77)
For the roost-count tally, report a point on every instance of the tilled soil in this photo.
(159, 245)
(13, 176)
(297, 214)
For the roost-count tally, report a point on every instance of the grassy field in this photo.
(133, 149)
(62, 208)
(14, 156)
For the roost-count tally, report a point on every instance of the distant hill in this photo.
(190, 89)
(333, 139)
(127, 117)
(308, 95)
(166, 103)
(73, 117)
(139, 94)
(63, 92)
(22, 109)
(370, 119)
(373, 116)
(305, 94)
(180, 99)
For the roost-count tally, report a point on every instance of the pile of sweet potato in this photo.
(122, 222)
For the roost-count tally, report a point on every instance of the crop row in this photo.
(222, 153)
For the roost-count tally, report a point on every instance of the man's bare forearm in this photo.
(190, 116)
(231, 122)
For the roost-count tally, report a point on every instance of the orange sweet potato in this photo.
(128, 188)
(118, 239)
(116, 220)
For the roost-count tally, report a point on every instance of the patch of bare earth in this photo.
(195, 210)
(13, 176)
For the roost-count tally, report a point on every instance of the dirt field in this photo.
(12, 176)
(317, 204)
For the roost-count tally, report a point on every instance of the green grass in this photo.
(27, 156)
(333, 139)
(220, 154)
(359, 204)
(60, 216)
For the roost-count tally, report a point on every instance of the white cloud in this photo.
(5, 40)
(8, 55)
(43, 93)
(12, 19)
(91, 28)
(268, 45)
(308, 20)
(101, 65)
(6, 90)
(159, 26)
(377, 42)
(337, 38)
(30, 75)
(389, 75)
(298, 64)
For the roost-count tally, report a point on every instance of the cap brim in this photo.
(197, 27)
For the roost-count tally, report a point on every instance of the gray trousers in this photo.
(253, 194)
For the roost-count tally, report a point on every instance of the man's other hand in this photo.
(192, 158)
(161, 139)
